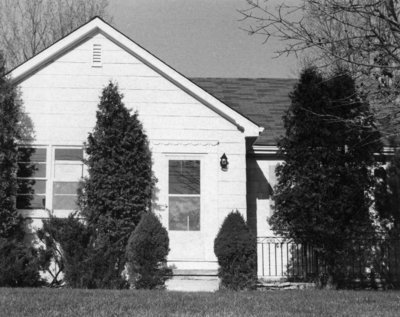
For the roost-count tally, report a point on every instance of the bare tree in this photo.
(362, 36)
(27, 27)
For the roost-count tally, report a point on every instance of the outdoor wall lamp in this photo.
(224, 162)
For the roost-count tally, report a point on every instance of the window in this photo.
(41, 187)
(68, 170)
(31, 177)
(184, 195)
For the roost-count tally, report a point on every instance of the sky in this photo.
(201, 38)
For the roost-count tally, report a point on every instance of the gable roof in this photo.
(97, 25)
(263, 100)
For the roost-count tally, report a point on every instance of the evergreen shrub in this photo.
(19, 264)
(235, 248)
(119, 186)
(146, 253)
(67, 243)
(325, 183)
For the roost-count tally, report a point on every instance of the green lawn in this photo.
(67, 302)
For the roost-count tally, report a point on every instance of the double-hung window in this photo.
(67, 172)
(32, 178)
(184, 195)
(48, 177)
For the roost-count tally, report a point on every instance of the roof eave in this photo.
(273, 150)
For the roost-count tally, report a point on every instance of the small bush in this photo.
(67, 244)
(83, 264)
(19, 265)
(146, 252)
(235, 248)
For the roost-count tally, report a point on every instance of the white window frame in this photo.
(46, 179)
(54, 180)
(186, 157)
(50, 173)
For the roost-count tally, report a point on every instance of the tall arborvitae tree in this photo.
(19, 263)
(10, 135)
(120, 183)
(323, 192)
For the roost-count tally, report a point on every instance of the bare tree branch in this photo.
(362, 36)
(27, 27)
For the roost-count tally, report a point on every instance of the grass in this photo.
(73, 302)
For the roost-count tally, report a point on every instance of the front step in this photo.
(207, 272)
(193, 281)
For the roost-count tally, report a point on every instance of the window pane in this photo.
(184, 177)
(31, 201)
(65, 202)
(68, 154)
(68, 172)
(31, 186)
(31, 155)
(184, 213)
(31, 170)
(65, 188)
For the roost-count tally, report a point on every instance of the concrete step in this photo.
(262, 285)
(181, 272)
(193, 283)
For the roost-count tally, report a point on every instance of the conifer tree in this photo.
(120, 182)
(322, 197)
(19, 263)
(10, 134)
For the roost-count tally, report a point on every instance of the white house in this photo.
(191, 124)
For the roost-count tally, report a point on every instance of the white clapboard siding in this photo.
(232, 188)
(149, 122)
(261, 175)
(231, 202)
(98, 82)
(109, 71)
(108, 56)
(233, 148)
(233, 173)
(179, 134)
(86, 94)
(39, 108)
(144, 109)
(58, 135)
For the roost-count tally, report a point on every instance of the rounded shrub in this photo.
(146, 253)
(235, 248)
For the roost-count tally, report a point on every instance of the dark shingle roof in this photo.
(262, 100)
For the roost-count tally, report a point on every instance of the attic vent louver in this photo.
(96, 60)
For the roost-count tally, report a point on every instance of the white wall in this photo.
(260, 182)
(61, 99)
